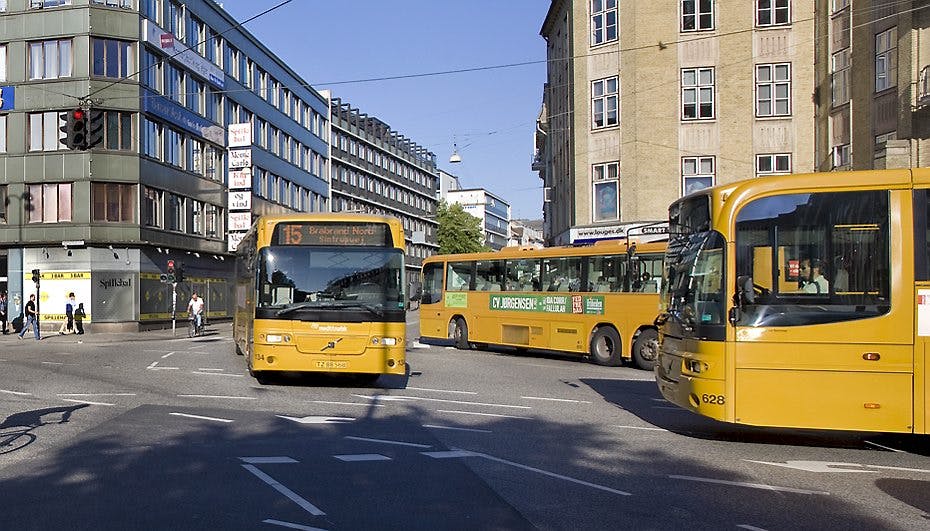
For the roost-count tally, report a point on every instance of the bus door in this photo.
(821, 339)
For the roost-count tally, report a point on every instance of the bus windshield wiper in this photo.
(376, 310)
(295, 307)
(319, 305)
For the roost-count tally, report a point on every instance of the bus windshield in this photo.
(693, 286)
(293, 278)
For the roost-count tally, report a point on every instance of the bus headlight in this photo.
(384, 341)
(695, 366)
(277, 338)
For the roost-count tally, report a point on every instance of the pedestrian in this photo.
(4, 312)
(79, 316)
(67, 326)
(32, 318)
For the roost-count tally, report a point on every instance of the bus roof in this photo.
(604, 247)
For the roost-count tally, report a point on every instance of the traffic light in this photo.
(74, 129)
(95, 125)
(36, 274)
(179, 273)
(170, 267)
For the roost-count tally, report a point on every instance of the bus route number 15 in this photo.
(293, 234)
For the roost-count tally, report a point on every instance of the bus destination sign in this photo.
(338, 234)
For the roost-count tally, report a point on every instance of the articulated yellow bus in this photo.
(321, 292)
(801, 301)
(598, 300)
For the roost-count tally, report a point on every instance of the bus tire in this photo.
(460, 334)
(646, 349)
(605, 347)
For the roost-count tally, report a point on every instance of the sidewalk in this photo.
(216, 330)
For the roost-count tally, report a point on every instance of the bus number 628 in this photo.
(713, 399)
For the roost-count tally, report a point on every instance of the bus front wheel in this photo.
(646, 349)
(460, 334)
(605, 347)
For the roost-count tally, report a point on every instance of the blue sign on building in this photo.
(173, 113)
(7, 98)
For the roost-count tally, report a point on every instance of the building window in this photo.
(697, 93)
(118, 131)
(603, 21)
(842, 156)
(697, 15)
(606, 187)
(113, 58)
(886, 59)
(2, 134)
(174, 209)
(44, 133)
(151, 211)
(840, 77)
(3, 202)
(125, 4)
(884, 137)
(773, 90)
(2, 60)
(697, 173)
(772, 13)
(113, 202)
(604, 99)
(773, 164)
(50, 59)
(48, 203)
(40, 4)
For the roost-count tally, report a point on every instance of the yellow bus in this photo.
(321, 292)
(598, 300)
(801, 301)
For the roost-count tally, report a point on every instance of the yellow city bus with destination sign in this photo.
(321, 293)
(598, 300)
(801, 301)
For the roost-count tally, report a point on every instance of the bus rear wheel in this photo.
(460, 334)
(646, 349)
(605, 347)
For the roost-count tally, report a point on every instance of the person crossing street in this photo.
(32, 319)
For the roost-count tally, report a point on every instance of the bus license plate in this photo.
(332, 364)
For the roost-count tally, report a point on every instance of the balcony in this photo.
(923, 88)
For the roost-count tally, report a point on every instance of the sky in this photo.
(490, 114)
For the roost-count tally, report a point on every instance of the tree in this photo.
(459, 231)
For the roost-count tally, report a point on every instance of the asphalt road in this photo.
(146, 431)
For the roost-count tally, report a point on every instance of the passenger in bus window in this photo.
(812, 279)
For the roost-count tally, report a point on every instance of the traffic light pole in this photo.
(174, 306)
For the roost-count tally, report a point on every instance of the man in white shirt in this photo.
(813, 279)
(195, 308)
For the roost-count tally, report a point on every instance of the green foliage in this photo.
(459, 231)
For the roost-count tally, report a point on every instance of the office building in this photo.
(493, 212)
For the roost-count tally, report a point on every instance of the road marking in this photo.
(291, 495)
(384, 441)
(96, 394)
(890, 449)
(52, 363)
(362, 457)
(641, 428)
(199, 417)
(87, 402)
(219, 396)
(163, 368)
(751, 485)
(465, 453)
(442, 391)
(406, 397)
(208, 369)
(292, 525)
(153, 365)
(268, 460)
(314, 419)
(17, 393)
(828, 466)
(556, 399)
(218, 374)
(346, 403)
(168, 355)
(750, 527)
(483, 414)
(455, 428)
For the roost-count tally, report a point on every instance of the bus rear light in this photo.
(872, 405)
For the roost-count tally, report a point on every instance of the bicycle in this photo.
(195, 329)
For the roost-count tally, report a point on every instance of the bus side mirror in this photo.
(744, 291)
(415, 291)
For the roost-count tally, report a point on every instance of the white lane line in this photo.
(384, 441)
(52, 363)
(546, 473)
(346, 403)
(750, 527)
(218, 374)
(200, 417)
(96, 394)
(291, 495)
(442, 391)
(291, 525)
(17, 393)
(208, 369)
(87, 402)
(268, 460)
(556, 399)
(163, 368)
(153, 365)
(454, 454)
(219, 396)
(883, 447)
(750, 485)
(407, 397)
(641, 428)
(168, 355)
(435, 427)
(483, 414)
(362, 457)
